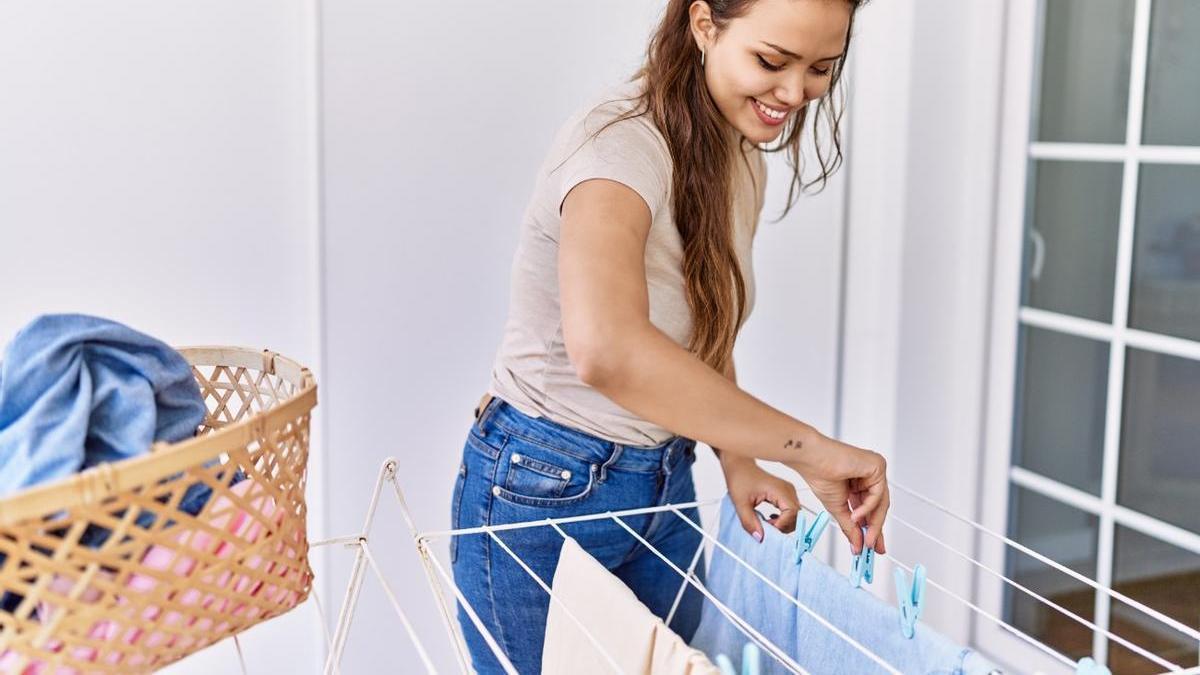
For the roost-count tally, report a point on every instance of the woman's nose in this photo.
(792, 93)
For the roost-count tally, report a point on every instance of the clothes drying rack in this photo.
(437, 575)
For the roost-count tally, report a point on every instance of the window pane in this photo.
(1160, 438)
(1067, 536)
(1173, 79)
(1061, 404)
(1086, 49)
(1165, 578)
(1165, 297)
(1071, 242)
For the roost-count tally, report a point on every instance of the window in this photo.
(1096, 332)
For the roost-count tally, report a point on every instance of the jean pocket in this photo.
(538, 475)
(456, 507)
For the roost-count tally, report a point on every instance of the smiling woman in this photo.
(631, 282)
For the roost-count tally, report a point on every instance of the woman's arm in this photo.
(749, 485)
(617, 350)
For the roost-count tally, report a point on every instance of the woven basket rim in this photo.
(165, 459)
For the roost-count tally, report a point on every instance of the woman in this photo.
(631, 280)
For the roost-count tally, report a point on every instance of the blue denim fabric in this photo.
(513, 471)
(76, 391)
(826, 592)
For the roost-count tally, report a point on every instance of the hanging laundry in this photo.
(626, 629)
(856, 612)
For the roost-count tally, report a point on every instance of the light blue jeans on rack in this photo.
(518, 468)
(825, 591)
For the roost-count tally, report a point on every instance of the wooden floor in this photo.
(1177, 596)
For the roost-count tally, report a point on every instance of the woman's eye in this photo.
(767, 64)
(820, 72)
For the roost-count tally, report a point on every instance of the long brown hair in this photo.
(677, 98)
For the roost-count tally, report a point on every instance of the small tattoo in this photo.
(793, 444)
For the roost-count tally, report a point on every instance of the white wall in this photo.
(156, 167)
(921, 195)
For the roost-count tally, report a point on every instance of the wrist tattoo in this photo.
(793, 443)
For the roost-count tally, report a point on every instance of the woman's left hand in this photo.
(749, 485)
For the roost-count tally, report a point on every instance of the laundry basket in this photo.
(165, 583)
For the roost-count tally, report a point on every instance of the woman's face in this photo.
(771, 61)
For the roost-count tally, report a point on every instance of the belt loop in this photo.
(669, 454)
(486, 405)
(617, 448)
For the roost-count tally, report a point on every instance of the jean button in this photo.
(496, 490)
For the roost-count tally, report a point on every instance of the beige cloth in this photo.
(626, 629)
(531, 370)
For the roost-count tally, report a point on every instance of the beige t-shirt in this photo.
(532, 371)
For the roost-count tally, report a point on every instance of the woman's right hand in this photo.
(852, 484)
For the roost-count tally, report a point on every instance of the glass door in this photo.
(1095, 374)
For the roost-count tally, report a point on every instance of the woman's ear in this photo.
(701, 24)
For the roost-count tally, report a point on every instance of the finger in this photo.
(749, 518)
(875, 521)
(789, 509)
(869, 501)
(841, 515)
(855, 502)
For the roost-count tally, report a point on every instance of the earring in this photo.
(701, 58)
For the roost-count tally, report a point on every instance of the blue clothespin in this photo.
(1088, 666)
(862, 566)
(751, 659)
(910, 598)
(806, 542)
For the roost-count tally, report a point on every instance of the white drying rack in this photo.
(436, 574)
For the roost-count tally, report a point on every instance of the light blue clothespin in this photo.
(911, 599)
(806, 542)
(751, 659)
(862, 566)
(1088, 666)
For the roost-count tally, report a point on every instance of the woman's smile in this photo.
(769, 115)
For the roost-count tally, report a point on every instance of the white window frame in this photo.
(1015, 151)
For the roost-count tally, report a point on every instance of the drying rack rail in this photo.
(439, 580)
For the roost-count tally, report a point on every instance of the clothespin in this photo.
(1088, 666)
(911, 599)
(806, 542)
(862, 566)
(751, 659)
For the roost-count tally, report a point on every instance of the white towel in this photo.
(637, 640)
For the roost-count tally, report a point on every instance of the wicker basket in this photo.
(150, 595)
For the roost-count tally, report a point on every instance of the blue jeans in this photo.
(517, 468)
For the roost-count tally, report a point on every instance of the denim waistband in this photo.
(501, 417)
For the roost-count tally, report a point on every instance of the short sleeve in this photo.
(630, 152)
